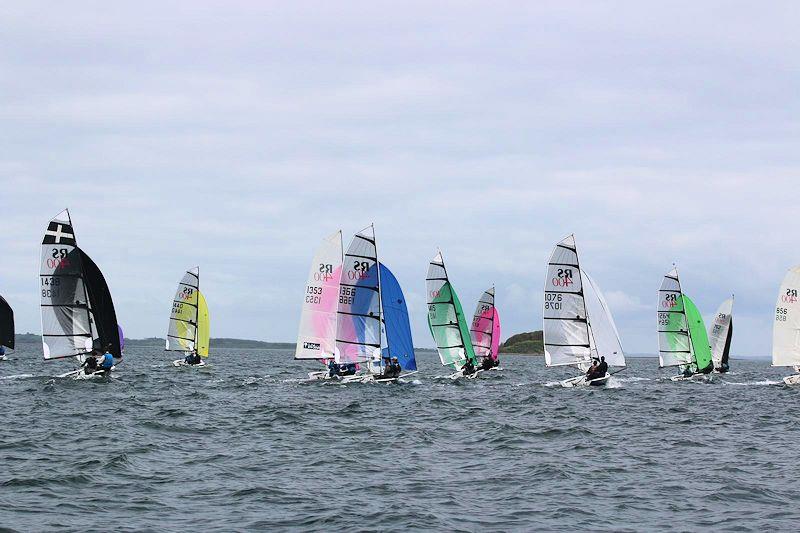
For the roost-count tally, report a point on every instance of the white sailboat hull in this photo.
(181, 362)
(81, 375)
(792, 380)
(581, 381)
(693, 377)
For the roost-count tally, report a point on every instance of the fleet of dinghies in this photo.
(354, 319)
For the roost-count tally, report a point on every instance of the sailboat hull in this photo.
(181, 362)
(581, 381)
(792, 380)
(694, 377)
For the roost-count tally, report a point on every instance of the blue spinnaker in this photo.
(395, 316)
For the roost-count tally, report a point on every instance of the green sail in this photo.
(697, 332)
(450, 333)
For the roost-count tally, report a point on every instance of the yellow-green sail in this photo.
(203, 331)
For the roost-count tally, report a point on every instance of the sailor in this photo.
(333, 368)
(90, 364)
(108, 360)
(2, 351)
(193, 358)
(395, 368)
(687, 371)
(468, 367)
(602, 368)
(347, 369)
(487, 363)
(496, 362)
(723, 367)
(592, 370)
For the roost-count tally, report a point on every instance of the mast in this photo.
(589, 332)
(381, 323)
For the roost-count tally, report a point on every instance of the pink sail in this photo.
(495, 335)
(485, 328)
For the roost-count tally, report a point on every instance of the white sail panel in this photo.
(674, 347)
(182, 329)
(566, 329)
(786, 325)
(67, 326)
(317, 336)
(358, 328)
(718, 332)
(604, 334)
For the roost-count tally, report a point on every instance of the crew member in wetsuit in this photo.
(347, 369)
(468, 367)
(333, 368)
(602, 368)
(2, 350)
(590, 374)
(193, 358)
(487, 363)
(723, 367)
(90, 364)
(687, 372)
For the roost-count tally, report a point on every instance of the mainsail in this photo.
(397, 326)
(188, 321)
(786, 328)
(317, 336)
(6, 324)
(446, 318)
(721, 333)
(358, 324)
(674, 346)
(76, 306)
(485, 330)
(577, 321)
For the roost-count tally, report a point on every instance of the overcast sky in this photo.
(236, 135)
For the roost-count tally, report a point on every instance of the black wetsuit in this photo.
(487, 363)
(468, 368)
(90, 365)
(391, 371)
(602, 368)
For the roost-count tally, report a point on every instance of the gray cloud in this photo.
(236, 137)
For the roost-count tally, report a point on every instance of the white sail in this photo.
(358, 325)
(317, 336)
(786, 327)
(566, 328)
(67, 325)
(674, 346)
(183, 318)
(718, 332)
(604, 334)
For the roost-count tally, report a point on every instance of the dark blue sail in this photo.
(395, 316)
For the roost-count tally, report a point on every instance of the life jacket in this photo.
(108, 361)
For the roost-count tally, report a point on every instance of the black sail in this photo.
(726, 352)
(102, 307)
(6, 324)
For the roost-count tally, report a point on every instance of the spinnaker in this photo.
(6, 324)
(77, 310)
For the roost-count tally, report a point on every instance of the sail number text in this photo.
(552, 301)
(51, 287)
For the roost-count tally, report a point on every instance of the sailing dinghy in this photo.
(366, 338)
(78, 317)
(448, 324)
(578, 326)
(189, 326)
(682, 337)
(485, 331)
(786, 327)
(316, 339)
(6, 328)
(720, 335)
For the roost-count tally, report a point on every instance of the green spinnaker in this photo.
(697, 332)
(450, 332)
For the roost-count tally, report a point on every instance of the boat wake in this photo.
(631, 379)
(762, 383)
(17, 376)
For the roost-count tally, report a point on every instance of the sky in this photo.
(237, 135)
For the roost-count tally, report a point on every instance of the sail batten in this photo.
(77, 310)
(358, 320)
(485, 328)
(578, 325)
(446, 318)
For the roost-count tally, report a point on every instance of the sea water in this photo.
(246, 444)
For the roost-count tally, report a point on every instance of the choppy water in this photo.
(244, 445)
